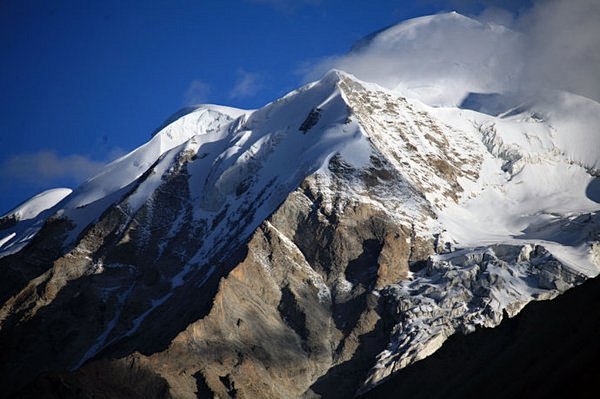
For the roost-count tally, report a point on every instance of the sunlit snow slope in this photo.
(494, 194)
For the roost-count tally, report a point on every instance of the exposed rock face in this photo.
(215, 273)
(8, 221)
(104, 379)
(300, 303)
(293, 308)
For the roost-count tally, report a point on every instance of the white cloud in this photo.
(196, 93)
(555, 44)
(438, 59)
(470, 6)
(247, 84)
(562, 48)
(46, 167)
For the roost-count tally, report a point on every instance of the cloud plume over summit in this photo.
(562, 46)
(553, 44)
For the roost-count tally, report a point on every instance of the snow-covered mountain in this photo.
(313, 247)
(438, 59)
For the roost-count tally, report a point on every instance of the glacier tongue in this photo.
(462, 291)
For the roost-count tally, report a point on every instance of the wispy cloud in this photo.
(247, 84)
(562, 50)
(450, 51)
(554, 45)
(197, 92)
(46, 167)
(471, 6)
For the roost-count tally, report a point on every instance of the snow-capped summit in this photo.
(38, 203)
(347, 228)
(438, 59)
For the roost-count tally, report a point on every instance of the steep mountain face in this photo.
(537, 354)
(311, 248)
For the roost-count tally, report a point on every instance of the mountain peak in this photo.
(343, 229)
(438, 59)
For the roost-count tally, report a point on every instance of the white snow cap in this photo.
(39, 203)
(440, 58)
(437, 58)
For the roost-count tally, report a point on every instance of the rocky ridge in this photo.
(212, 267)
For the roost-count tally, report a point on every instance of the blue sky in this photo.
(82, 82)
